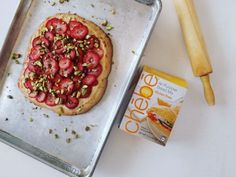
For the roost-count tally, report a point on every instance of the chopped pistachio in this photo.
(53, 3)
(113, 11)
(87, 128)
(104, 23)
(50, 131)
(75, 68)
(84, 86)
(31, 119)
(73, 94)
(96, 45)
(45, 115)
(44, 30)
(17, 61)
(61, 1)
(10, 96)
(79, 108)
(81, 45)
(87, 36)
(133, 51)
(73, 132)
(78, 94)
(16, 56)
(77, 73)
(109, 27)
(77, 136)
(56, 136)
(57, 100)
(92, 5)
(68, 140)
(38, 63)
(65, 129)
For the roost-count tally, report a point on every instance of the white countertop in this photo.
(203, 141)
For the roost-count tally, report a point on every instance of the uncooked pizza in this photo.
(67, 65)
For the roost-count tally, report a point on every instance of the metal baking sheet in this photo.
(26, 127)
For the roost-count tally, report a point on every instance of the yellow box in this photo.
(154, 106)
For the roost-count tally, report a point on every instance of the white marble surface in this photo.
(203, 142)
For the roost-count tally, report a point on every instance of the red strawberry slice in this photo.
(80, 66)
(66, 72)
(49, 84)
(35, 53)
(51, 66)
(40, 40)
(99, 51)
(60, 27)
(72, 54)
(65, 63)
(76, 78)
(33, 94)
(34, 68)
(49, 36)
(89, 80)
(41, 97)
(27, 72)
(87, 93)
(72, 102)
(92, 59)
(79, 32)
(67, 85)
(28, 84)
(91, 42)
(50, 100)
(96, 71)
(59, 48)
(63, 98)
(73, 24)
(57, 78)
(51, 23)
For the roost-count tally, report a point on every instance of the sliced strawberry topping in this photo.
(51, 66)
(79, 32)
(63, 98)
(57, 78)
(59, 47)
(85, 93)
(27, 72)
(41, 97)
(66, 72)
(40, 41)
(35, 53)
(73, 24)
(65, 63)
(60, 27)
(33, 94)
(89, 80)
(51, 23)
(80, 66)
(28, 84)
(96, 71)
(50, 100)
(72, 102)
(92, 59)
(72, 54)
(49, 36)
(99, 51)
(34, 68)
(91, 42)
(80, 53)
(49, 84)
(67, 85)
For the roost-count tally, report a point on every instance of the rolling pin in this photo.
(195, 45)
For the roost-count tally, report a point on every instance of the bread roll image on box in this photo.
(154, 105)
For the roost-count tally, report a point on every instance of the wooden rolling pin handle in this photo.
(208, 91)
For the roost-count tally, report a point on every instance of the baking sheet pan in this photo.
(26, 127)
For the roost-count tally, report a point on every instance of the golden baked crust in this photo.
(97, 92)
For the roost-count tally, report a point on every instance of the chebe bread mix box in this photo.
(154, 105)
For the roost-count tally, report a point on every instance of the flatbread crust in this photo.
(85, 104)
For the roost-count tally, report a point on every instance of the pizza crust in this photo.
(85, 104)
